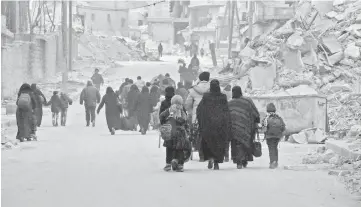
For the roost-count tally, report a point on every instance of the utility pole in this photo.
(64, 40)
(231, 30)
(222, 25)
(250, 19)
(70, 60)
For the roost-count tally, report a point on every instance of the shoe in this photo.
(226, 159)
(87, 124)
(239, 166)
(112, 132)
(273, 165)
(93, 124)
(174, 164)
(21, 139)
(244, 164)
(216, 166)
(180, 168)
(167, 167)
(210, 164)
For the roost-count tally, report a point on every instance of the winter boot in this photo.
(174, 164)
(210, 163)
(239, 165)
(216, 166)
(244, 164)
(167, 167)
(180, 168)
(112, 132)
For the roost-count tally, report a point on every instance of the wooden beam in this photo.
(222, 25)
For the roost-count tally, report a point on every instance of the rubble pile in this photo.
(322, 52)
(349, 171)
(113, 48)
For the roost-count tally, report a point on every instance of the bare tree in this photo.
(33, 23)
(52, 28)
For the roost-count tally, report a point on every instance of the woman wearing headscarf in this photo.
(143, 108)
(214, 125)
(245, 117)
(179, 147)
(131, 101)
(154, 98)
(25, 113)
(113, 109)
(40, 101)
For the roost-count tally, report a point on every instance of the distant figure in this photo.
(131, 104)
(202, 52)
(97, 79)
(149, 85)
(65, 102)
(160, 50)
(90, 96)
(140, 83)
(228, 91)
(212, 48)
(40, 100)
(55, 103)
(181, 91)
(194, 65)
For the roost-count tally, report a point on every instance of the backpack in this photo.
(275, 126)
(168, 130)
(24, 102)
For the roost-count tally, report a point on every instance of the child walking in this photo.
(274, 129)
(65, 102)
(55, 103)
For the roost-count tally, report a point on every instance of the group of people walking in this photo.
(29, 112)
(211, 122)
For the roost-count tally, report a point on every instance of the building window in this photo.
(108, 17)
(93, 17)
(123, 22)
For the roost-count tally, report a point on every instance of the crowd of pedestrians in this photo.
(202, 117)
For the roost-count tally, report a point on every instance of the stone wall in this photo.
(26, 62)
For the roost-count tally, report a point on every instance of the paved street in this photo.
(76, 166)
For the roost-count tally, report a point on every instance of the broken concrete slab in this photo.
(295, 41)
(353, 52)
(358, 19)
(338, 2)
(340, 17)
(331, 44)
(336, 58)
(353, 27)
(247, 52)
(341, 148)
(348, 62)
(331, 14)
(301, 90)
(263, 76)
(293, 60)
(310, 58)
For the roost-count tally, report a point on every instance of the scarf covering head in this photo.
(236, 92)
(214, 86)
(176, 109)
(109, 90)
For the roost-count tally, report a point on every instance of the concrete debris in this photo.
(355, 131)
(353, 52)
(308, 136)
(331, 44)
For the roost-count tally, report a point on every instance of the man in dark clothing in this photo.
(40, 100)
(126, 82)
(160, 50)
(90, 96)
(194, 65)
(97, 79)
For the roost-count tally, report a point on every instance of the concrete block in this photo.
(263, 76)
(341, 148)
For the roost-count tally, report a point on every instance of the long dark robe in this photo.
(26, 120)
(214, 125)
(112, 110)
(131, 102)
(143, 109)
(244, 115)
